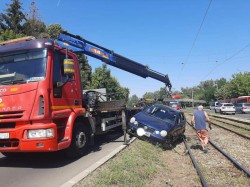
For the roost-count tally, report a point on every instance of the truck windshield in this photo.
(22, 67)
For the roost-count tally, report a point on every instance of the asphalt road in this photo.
(53, 169)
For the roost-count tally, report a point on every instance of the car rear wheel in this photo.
(221, 112)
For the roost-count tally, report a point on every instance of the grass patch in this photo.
(135, 166)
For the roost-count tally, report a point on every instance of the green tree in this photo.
(240, 84)
(53, 30)
(13, 18)
(223, 92)
(9, 35)
(133, 100)
(85, 71)
(34, 26)
(206, 90)
(102, 78)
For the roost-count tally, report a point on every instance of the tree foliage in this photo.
(102, 78)
(9, 35)
(53, 30)
(240, 84)
(34, 26)
(85, 71)
(13, 18)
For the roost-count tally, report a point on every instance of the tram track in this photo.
(200, 172)
(236, 129)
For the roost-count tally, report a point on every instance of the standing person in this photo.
(199, 120)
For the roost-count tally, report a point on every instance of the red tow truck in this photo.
(42, 106)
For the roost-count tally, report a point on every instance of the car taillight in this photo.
(223, 107)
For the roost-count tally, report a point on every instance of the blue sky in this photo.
(166, 35)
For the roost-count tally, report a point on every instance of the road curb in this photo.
(93, 167)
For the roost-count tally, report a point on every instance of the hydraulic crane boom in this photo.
(79, 45)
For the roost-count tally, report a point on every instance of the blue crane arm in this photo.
(79, 45)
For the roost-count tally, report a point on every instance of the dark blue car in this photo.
(158, 124)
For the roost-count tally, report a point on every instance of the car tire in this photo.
(221, 112)
(80, 141)
(215, 110)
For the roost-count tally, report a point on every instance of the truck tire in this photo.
(80, 141)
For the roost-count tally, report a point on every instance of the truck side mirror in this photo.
(68, 67)
(69, 71)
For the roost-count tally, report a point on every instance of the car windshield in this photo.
(228, 105)
(161, 113)
(22, 67)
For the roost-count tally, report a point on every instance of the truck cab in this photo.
(38, 100)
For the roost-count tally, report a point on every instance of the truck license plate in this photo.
(4, 135)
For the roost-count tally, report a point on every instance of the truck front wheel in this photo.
(80, 141)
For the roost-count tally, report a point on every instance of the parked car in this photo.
(213, 105)
(158, 124)
(225, 108)
(175, 105)
(242, 108)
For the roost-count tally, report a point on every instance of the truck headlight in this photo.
(164, 133)
(41, 133)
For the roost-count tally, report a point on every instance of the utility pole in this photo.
(192, 97)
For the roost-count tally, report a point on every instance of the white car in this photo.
(225, 108)
(242, 107)
(213, 105)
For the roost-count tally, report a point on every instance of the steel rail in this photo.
(242, 135)
(202, 179)
(216, 119)
(228, 156)
(232, 119)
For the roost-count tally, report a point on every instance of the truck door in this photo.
(66, 92)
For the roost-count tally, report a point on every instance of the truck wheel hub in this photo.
(81, 140)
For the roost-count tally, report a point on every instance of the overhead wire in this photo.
(197, 34)
(195, 39)
(229, 58)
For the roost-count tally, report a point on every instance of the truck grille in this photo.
(11, 115)
(9, 143)
(10, 125)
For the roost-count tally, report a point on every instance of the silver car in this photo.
(242, 108)
(225, 108)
